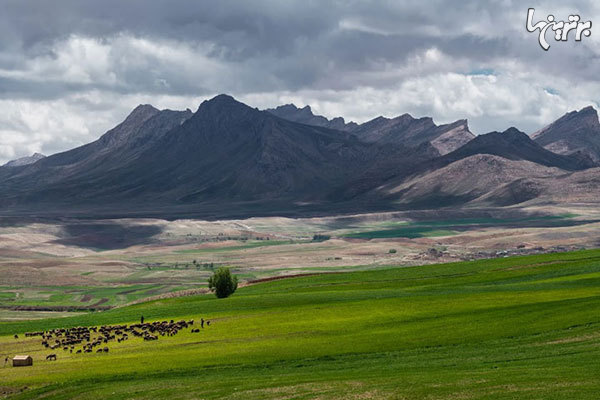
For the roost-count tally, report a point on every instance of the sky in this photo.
(72, 69)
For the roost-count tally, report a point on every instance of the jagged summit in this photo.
(142, 112)
(19, 162)
(574, 132)
(305, 115)
(514, 132)
(221, 100)
(412, 132)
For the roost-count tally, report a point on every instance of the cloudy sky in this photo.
(72, 69)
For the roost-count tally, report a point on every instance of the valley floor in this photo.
(507, 328)
(73, 266)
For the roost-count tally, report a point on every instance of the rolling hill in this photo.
(524, 327)
(468, 179)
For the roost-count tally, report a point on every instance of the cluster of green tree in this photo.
(223, 283)
(320, 238)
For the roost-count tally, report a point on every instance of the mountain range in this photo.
(404, 130)
(231, 160)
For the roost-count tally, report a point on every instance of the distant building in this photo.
(22, 361)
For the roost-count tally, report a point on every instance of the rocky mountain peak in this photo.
(576, 131)
(19, 162)
(141, 113)
(306, 116)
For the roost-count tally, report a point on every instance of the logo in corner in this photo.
(561, 29)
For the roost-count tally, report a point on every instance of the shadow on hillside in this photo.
(107, 235)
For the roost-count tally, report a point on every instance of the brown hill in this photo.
(466, 180)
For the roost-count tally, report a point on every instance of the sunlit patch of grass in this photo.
(524, 327)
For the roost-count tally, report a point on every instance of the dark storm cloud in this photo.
(291, 44)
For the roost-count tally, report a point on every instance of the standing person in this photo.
(201, 322)
(142, 320)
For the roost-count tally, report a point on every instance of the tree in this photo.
(223, 283)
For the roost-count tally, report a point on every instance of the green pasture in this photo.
(511, 328)
(451, 227)
(80, 296)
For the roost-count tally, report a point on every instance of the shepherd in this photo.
(142, 320)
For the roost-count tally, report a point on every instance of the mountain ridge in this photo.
(22, 161)
(576, 131)
(229, 159)
(305, 115)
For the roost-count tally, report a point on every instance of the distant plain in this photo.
(73, 266)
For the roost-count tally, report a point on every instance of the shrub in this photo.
(321, 238)
(392, 251)
(223, 283)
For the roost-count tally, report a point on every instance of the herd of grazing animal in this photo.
(80, 340)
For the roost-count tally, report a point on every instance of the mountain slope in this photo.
(412, 132)
(20, 162)
(231, 160)
(403, 130)
(466, 180)
(478, 168)
(578, 187)
(236, 153)
(143, 127)
(513, 144)
(576, 131)
(226, 153)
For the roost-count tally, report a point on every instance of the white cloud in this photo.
(52, 126)
(490, 102)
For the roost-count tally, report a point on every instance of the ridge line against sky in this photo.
(71, 70)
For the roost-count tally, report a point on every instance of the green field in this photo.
(80, 297)
(512, 328)
(449, 227)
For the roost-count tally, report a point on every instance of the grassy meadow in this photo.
(449, 227)
(510, 328)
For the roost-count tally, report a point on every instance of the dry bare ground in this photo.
(141, 258)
